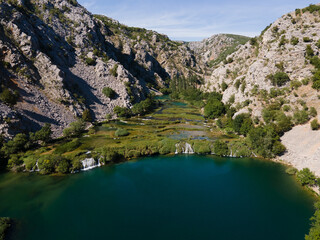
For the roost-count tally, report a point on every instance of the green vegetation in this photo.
(43, 135)
(121, 132)
(294, 41)
(309, 51)
(122, 112)
(5, 224)
(86, 115)
(220, 148)
(238, 40)
(214, 108)
(314, 232)
(109, 92)
(315, 124)
(306, 177)
(114, 70)
(74, 129)
(291, 171)
(67, 147)
(90, 61)
(307, 39)
(279, 79)
(8, 97)
(311, 8)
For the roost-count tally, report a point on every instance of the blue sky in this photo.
(194, 20)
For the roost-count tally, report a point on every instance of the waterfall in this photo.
(188, 149)
(185, 148)
(90, 163)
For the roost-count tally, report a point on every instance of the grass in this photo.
(152, 134)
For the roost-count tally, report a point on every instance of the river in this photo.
(174, 197)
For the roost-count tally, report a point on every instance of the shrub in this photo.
(282, 41)
(301, 116)
(291, 170)
(121, 132)
(314, 232)
(44, 134)
(295, 84)
(220, 148)
(265, 141)
(114, 71)
(307, 39)
(294, 41)
(86, 115)
(313, 112)
(224, 86)
(122, 111)
(67, 147)
(109, 92)
(314, 124)
(305, 81)
(75, 128)
(90, 61)
(8, 97)
(311, 8)
(279, 79)
(214, 109)
(242, 124)
(309, 51)
(253, 41)
(17, 144)
(144, 107)
(306, 177)
(63, 165)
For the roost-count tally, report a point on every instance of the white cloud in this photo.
(194, 21)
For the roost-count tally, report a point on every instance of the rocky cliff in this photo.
(277, 73)
(246, 78)
(56, 58)
(211, 51)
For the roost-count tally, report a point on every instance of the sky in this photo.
(195, 20)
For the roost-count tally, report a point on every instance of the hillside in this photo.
(274, 74)
(56, 59)
(213, 50)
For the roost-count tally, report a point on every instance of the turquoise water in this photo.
(179, 197)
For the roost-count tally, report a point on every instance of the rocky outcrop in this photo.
(59, 58)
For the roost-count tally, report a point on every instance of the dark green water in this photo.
(180, 197)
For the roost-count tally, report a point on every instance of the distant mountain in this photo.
(215, 49)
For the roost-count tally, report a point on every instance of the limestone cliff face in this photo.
(213, 50)
(59, 57)
(281, 47)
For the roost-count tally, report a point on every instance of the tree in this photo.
(8, 97)
(314, 233)
(86, 115)
(44, 134)
(75, 128)
(220, 148)
(17, 144)
(122, 111)
(214, 109)
(306, 177)
(242, 124)
(279, 79)
(109, 92)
